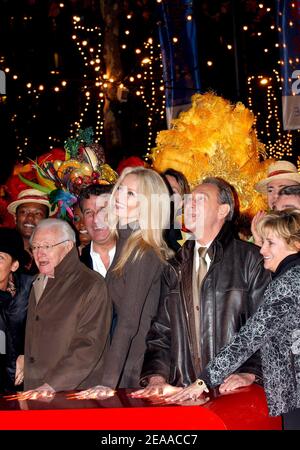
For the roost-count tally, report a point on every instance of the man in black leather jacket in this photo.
(230, 292)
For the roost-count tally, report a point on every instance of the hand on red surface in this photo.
(236, 380)
(97, 393)
(42, 393)
(157, 387)
(191, 392)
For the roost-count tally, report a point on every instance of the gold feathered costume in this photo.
(215, 138)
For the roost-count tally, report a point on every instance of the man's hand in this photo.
(97, 392)
(191, 392)
(157, 387)
(43, 393)
(235, 381)
(19, 377)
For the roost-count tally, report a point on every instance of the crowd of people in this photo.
(150, 286)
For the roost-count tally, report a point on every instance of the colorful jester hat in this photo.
(63, 179)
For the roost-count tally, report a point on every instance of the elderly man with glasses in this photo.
(28, 209)
(69, 316)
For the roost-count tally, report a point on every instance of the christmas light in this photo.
(91, 58)
(278, 143)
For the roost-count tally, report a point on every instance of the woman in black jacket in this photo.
(14, 292)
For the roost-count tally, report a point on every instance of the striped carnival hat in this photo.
(30, 196)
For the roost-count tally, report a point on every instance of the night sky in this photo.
(236, 39)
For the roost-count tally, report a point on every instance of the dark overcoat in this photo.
(67, 332)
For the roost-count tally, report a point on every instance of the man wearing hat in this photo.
(30, 207)
(14, 293)
(280, 174)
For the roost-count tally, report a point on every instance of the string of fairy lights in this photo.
(156, 89)
(91, 59)
(146, 82)
(278, 143)
(143, 83)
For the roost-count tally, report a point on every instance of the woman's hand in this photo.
(191, 392)
(157, 387)
(235, 381)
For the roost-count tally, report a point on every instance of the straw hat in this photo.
(30, 196)
(280, 170)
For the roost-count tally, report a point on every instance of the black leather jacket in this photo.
(231, 291)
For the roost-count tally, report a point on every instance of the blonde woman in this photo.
(140, 207)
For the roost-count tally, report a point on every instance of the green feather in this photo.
(34, 185)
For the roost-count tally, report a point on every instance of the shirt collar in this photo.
(94, 253)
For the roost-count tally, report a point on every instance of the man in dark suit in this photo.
(198, 315)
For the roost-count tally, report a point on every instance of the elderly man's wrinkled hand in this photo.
(96, 393)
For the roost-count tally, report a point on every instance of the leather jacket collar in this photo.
(216, 248)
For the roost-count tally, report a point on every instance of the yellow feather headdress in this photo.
(215, 138)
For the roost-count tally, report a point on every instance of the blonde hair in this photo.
(153, 217)
(285, 224)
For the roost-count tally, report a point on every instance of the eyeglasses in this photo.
(46, 247)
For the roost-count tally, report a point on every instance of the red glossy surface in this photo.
(243, 409)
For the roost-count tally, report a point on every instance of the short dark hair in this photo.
(226, 195)
(94, 189)
(294, 189)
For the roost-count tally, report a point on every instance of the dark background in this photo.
(32, 31)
